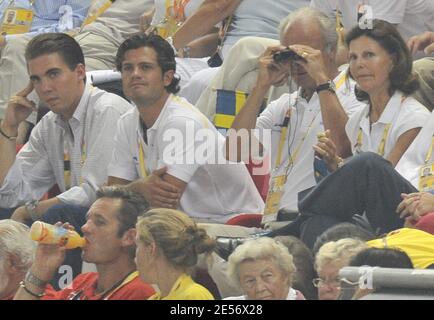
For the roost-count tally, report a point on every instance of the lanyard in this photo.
(95, 13)
(108, 293)
(130, 277)
(142, 162)
(284, 131)
(66, 153)
(67, 162)
(428, 155)
(382, 145)
(339, 26)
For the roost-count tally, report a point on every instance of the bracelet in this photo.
(31, 278)
(36, 295)
(6, 136)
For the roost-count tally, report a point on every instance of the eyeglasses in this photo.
(318, 283)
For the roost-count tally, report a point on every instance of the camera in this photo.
(286, 54)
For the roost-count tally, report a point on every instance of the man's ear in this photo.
(81, 71)
(129, 237)
(168, 77)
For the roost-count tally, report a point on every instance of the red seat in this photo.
(259, 177)
(249, 220)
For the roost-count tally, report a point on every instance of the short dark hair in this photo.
(165, 55)
(387, 36)
(60, 43)
(382, 257)
(133, 205)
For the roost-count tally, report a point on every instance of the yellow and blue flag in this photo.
(228, 105)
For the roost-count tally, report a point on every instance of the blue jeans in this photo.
(5, 213)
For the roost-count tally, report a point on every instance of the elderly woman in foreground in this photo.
(263, 268)
(16, 256)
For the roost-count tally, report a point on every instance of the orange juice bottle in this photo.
(49, 234)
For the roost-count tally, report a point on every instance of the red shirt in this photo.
(84, 285)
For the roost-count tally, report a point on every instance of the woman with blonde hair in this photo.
(331, 257)
(168, 244)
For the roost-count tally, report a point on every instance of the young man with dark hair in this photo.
(70, 146)
(110, 244)
(158, 143)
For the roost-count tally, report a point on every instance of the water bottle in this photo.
(49, 234)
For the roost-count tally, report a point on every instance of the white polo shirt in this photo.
(305, 122)
(411, 161)
(403, 113)
(214, 192)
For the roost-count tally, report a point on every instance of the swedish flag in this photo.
(229, 104)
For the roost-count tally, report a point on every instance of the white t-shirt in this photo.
(412, 16)
(403, 115)
(214, 192)
(415, 156)
(305, 121)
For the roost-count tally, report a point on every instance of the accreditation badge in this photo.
(426, 178)
(274, 196)
(16, 21)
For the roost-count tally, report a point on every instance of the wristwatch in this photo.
(31, 278)
(31, 209)
(329, 85)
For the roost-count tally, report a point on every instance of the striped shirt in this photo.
(39, 164)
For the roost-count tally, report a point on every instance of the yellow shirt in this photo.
(185, 289)
(417, 244)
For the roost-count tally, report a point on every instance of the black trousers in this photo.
(367, 185)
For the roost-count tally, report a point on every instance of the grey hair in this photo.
(15, 240)
(257, 249)
(327, 25)
(340, 251)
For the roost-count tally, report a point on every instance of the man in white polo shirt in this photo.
(311, 110)
(149, 157)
